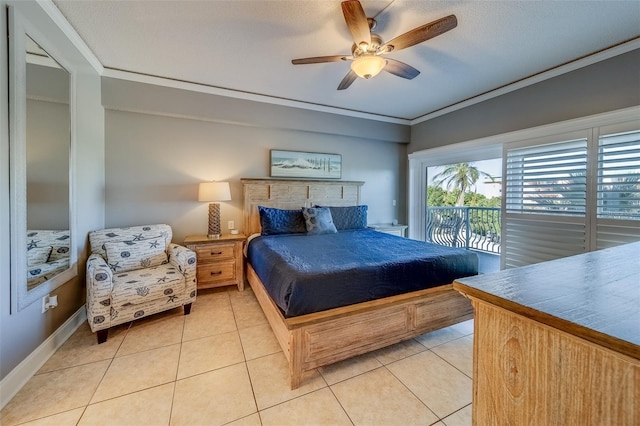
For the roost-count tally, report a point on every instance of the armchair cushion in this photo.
(124, 256)
(38, 255)
(142, 285)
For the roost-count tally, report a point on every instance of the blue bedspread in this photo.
(310, 273)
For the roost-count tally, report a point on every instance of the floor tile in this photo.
(67, 418)
(157, 331)
(438, 337)
(349, 368)
(213, 398)
(83, 348)
(440, 386)
(399, 351)
(135, 372)
(378, 398)
(458, 353)
(317, 408)
(258, 341)
(147, 407)
(252, 420)
(54, 392)
(247, 310)
(209, 320)
(271, 384)
(209, 353)
(465, 327)
(459, 418)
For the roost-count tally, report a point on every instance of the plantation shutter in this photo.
(545, 199)
(618, 186)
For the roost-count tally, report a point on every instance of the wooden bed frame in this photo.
(313, 340)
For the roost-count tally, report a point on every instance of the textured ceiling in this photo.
(247, 46)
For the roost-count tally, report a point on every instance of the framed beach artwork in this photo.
(297, 164)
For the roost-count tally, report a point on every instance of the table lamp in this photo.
(214, 191)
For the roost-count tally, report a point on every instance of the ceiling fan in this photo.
(368, 48)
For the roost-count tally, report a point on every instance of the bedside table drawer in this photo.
(216, 252)
(219, 272)
(220, 260)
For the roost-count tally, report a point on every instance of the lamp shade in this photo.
(214, 191)
(368, 66)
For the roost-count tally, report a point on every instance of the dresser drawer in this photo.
(215, 252)
(219, 272)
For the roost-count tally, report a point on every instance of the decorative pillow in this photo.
(278, 221)
(318, 220)
(352, 217)
(38, 255)
(123, 256)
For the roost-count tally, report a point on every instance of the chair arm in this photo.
(185, 260)
(99, 286)
(182, 258)
(99, 278)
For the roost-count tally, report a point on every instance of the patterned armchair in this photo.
(135, 272)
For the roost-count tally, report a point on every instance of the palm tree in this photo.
(460, 176)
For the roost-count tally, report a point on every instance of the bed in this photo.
(313, 339)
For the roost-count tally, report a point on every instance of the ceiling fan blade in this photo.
(401, 69)
(347, 80)
(356, 21)
(420, 34)
(321, 59)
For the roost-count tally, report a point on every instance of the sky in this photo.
(493, 167)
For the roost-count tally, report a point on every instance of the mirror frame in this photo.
(19, 28)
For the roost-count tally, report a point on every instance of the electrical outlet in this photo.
(49, 302)
(231, 224)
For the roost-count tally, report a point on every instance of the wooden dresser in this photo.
(558, 343)
(220, 260)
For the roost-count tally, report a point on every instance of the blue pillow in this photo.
(352, 217)
(318, 220)
(278, 221)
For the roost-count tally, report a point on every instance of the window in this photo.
(548, 179)
(568, 187)
(571, 193)
(619, 176)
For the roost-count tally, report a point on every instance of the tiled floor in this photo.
(222, 365)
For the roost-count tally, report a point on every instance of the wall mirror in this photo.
(43, 254)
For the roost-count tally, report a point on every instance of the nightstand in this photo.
(220, 260)
(388, 228)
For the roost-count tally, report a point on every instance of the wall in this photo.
(22, 332)
(605, 86)
(162, 142)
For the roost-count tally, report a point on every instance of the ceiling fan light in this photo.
(368, 66)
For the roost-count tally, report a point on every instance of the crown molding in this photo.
(220, 91)
(554, 72)
(61, 22)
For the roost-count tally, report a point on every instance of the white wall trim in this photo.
(54, 13)
(554, 72)
(220, 91)
(20, 375)
(596, 120)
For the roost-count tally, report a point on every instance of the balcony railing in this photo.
(475, 228)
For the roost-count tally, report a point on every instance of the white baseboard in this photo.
(19, 376)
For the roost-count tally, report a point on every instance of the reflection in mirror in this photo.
(47, 168)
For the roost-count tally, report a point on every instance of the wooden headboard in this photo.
(294, 194)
